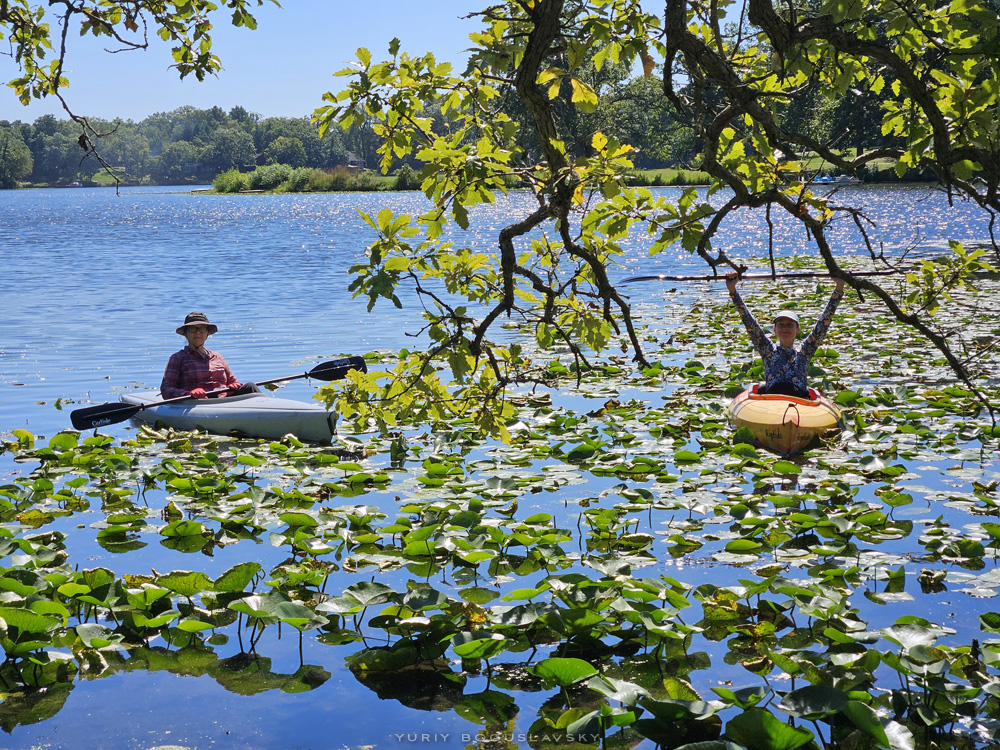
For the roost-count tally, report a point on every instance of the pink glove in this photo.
(197, 393)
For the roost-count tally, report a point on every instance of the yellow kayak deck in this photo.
(784, 424)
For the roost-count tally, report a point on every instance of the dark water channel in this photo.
(92, 286)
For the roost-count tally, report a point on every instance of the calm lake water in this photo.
(93, 285)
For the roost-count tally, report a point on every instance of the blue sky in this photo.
(281, 69)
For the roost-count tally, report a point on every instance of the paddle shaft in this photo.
(105, 414)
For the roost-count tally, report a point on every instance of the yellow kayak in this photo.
(784, 424)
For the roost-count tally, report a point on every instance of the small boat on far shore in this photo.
(784, 424)
(257, 415)
(840, 179)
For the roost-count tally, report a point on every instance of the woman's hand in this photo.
(197, 393)
(840, 284)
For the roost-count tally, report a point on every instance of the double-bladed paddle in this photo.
(105, 414)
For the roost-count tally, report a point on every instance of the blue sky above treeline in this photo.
(281, 69)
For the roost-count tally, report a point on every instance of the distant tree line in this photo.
(190, 145)
(186, 145)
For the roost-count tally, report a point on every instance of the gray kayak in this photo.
(255, 414)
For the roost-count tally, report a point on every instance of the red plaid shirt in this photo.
(187, 370)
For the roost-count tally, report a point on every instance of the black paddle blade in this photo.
(102, 414)
(337, 368)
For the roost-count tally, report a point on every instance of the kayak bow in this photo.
(784, 424)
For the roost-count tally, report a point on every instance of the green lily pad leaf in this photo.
(369, 593)
(582, 451)
(20, 588)
(298, 615)
(24, 438)
(142, 621)
(872, 463)
(236, 578)
(900, 736)
(296, 520)
(95, 635)
(256, 606)
(526, 594)
(990, 622)
(72, 589)
(195, 624)
(183, 528)
(340, 605)
(27, 621)
(686, 457)
(307, 677)
(480, 648)
(423, 598)
(673, 710)
(64, 441)
(758, 729)
(910, 635)
(814, 702)
(742, 545)
(384, 659)
(847, 398)
(478, 595)
(744, 450)
(563, 671)
(578, 723)
(744, 698)
(185, 582)
(624, 692)
(95, 578)
(784, 468)
(864, 718)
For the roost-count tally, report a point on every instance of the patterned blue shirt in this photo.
(781, 364)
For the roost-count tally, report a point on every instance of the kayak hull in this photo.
(255, 414)
(784, 424)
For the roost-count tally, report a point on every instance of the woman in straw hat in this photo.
(194, 370)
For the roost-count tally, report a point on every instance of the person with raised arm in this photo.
(785, 367)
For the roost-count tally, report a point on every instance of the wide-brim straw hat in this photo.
(197, 319)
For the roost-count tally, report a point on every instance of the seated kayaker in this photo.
(785, 367)
(194, 370)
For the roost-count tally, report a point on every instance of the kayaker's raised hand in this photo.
(731, 278)
(198, 393)
(840, 284)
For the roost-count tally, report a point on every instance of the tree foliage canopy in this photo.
(37, 32)
(15, 157)
(932, 65)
